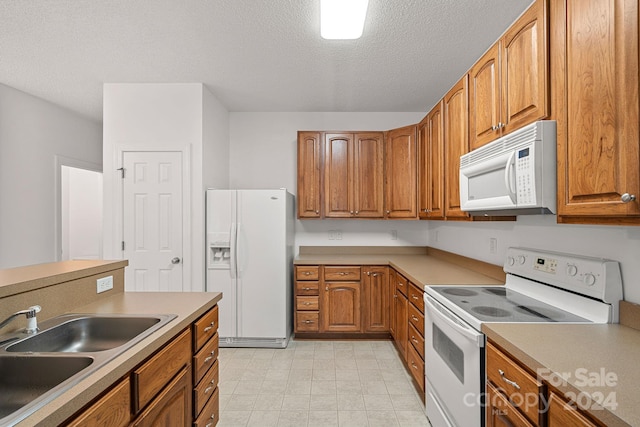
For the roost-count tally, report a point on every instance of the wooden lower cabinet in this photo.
(341, 307)
(400, 302)
(176, 386)
(501, 413)
(562, 414)
(172, 407)
(375, 286)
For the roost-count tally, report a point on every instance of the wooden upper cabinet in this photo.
(595, 77)
(338, 175)
(456, 143)
(423, 168)
(369, 175)
(309, 174)
(525, 72)
(401, 187)
(484, 98)
(431, 165)
(509, 84)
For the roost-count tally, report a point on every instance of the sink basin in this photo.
(24, 379)
(86, 334)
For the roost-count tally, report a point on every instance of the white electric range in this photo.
(540, 286)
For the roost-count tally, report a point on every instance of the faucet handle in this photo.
(33, 310)
(32, 322)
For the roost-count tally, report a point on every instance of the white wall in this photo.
(32, 133)
(263, 155)
(160, 116)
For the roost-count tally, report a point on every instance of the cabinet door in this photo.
(500, 413)
(172, 407)
(369, 175)
(599, 147)
(376, 299)
(401, 187)
(111, 410)
(525, 75)
(484, 99)
(309, 174)
(392, 300)
(561, 414)
(423, 168)
(341, 307)
(338, 175)
(435, 158)
(401, 323)
(456, 142)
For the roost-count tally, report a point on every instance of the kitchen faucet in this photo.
(32, 322)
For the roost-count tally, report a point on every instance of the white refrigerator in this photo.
(249, 259)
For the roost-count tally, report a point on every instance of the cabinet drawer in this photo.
(172, 407)
(307, 288)
(211, 412)
(204, 390)
(416, 297)
(152, 376)
(205, 328)
(502, 413)
(401, 284)
(516, 383)
(204, 359)
(307, 303)
(416, 366)
(307, 321)
(307, 272)
(416, 319)
(111, 410)
(417, 340)
(341, 273)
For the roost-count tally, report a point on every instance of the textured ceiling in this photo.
(254, 55)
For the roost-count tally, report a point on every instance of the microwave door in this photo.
(488, 184)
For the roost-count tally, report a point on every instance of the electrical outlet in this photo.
(493, 245)
(104, 284)
(437, 237)
(332, 235)
(338, 234)
(394, 234)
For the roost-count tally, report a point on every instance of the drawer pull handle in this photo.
(306, 289)
(414, 339)
(414, 296)
(208, 389)
(210, 358)
(210, 327)
(213, 417)
(342, 273)
(414, 318)
(375, 274)
(413, 365)
(308, 321)
(307, 273)
(507, 380)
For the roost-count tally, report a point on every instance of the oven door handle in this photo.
(451, 319)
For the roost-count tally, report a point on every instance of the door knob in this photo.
(175, 260)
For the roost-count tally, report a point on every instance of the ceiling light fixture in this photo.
(342, 19)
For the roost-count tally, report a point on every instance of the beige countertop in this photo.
(587, 361)
(187, 306)
(423, 270)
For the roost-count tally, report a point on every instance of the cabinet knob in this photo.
(351, 212)
(626, 198)
(375, 274)
(357, 212)
(501, 125)
(317, 212)
(388, 212)
(494, 128)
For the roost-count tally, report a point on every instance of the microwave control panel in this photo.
(525, 179)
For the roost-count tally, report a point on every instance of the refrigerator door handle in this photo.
(239, 253)
(232, 249)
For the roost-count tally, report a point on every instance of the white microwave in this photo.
(513, 175)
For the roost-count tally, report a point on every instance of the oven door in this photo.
(454, 352)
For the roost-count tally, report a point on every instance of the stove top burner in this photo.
(545, 313)
(461, 292)
(496, 291)
(491, 311)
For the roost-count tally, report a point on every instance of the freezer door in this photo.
(263, 270)
(221, 273)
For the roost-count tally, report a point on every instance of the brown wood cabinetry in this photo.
(163, 389)
(401, 187)
(500, 412)
(456, 143)
(595, 98)
(562, 414)
(400, 310)
(431, 177)
(393, 279)
(375, 292)
(509, 84)
(341, 300)
(353, 175)
(307, 290)
(309, 175)
(415, 334)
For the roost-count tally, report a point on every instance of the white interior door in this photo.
(152, 220)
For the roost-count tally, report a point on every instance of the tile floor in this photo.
(318, 383)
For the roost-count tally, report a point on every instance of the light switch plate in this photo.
(104, 284)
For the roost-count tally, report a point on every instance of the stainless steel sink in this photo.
(35, 369)
(23, 379)
(86, 334)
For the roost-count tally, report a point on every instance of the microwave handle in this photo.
(507, 177)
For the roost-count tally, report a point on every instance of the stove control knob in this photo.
(511, 260)
(589, 279)
(572, 270)
(521, 259)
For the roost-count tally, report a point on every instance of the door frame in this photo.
(57, 216)
(118, 202)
